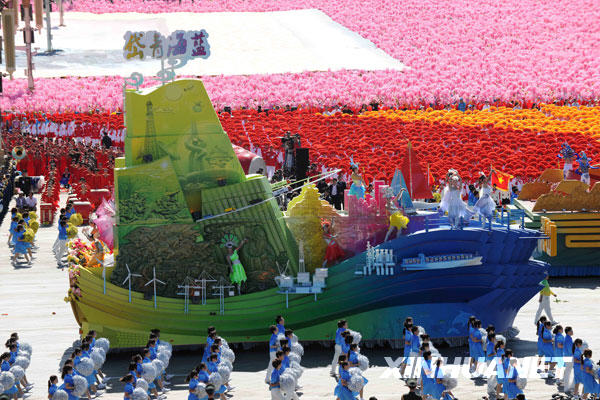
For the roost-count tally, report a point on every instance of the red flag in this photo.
(501, 180)
(430, 178)
(416, 181)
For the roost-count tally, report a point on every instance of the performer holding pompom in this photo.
(358, 184)
(273, 347)
(342, 326)
(68, 384)
(485, 205)
(333, 252)
(192, 380)
(443, 383)
(341, 390)
(274, 381)
(280, 323)
(11, 388)
(212, 334)
(52, 386)
(128, 389)
(452, 202)
(213, 368)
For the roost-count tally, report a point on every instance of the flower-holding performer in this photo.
(584, 168)
(237, 274)
(568, 155)
(358, 184)
(397, 220)
(485, 205)
(334, 252)
(452, 202)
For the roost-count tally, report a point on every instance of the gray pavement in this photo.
(32, 304)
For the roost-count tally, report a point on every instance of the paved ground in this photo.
(32, 304)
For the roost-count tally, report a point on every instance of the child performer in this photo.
(21, 246)
(342, 326)
(192, 379)
(512, 390)
(274, 385)
(52, 386)
(61, 242)
(341, 390)
(213, 366)
(273, 347)
(407, 333)
(128, 389)
(477, 340)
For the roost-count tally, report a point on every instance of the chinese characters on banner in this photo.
(182, 45)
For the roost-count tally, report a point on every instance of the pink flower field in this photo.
(511, 50)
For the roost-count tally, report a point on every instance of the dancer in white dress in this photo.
(485, 205)
(452, 202)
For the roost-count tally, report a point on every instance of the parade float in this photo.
(567, 211)
(185, 213)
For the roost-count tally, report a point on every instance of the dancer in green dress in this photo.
(237, 273)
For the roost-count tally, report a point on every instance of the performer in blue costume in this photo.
(471, 329)
(427, 375)
(210, 339)
(341, 390)
(342, 326)
(213, 366)
(577, 361)
(192, 380)
(588, 374)
(68, 384)
(52, 386)
(584, 167)
(274, 385)
(5, 366)
(547, 347)
(567, 154)
(512, 390)
(358, 184)
(129, 386)
(477, 339)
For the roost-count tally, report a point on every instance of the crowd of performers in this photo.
(422, 367)
(14, 362)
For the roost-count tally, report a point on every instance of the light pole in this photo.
(28, 35)
(48, 26)
(61, 13)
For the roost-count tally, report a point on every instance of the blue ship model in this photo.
(489, 273)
